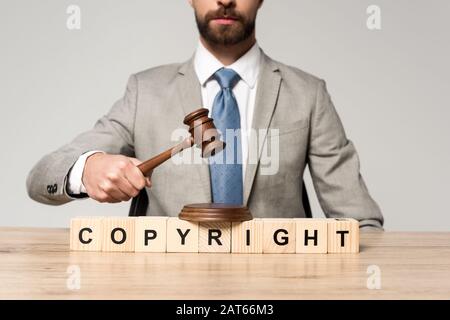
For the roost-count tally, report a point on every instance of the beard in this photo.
(225, 35)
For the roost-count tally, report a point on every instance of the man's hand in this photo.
(113, 178)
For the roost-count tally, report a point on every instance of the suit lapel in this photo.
(265, 102)
(190, 99)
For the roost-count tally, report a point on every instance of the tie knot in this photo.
(227, 78)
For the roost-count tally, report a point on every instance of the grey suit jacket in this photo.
(296, 103)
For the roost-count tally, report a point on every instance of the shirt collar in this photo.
(247, 66)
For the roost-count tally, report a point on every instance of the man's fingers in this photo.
(127, 188)
(135, 161)
(103, 197)
(117, 194)
(135, 177)
(113, 178)
(113, 191)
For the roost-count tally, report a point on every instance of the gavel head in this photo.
(204, 132)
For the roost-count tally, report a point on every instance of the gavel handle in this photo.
(147, 166)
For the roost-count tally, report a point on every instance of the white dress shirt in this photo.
(205, 65)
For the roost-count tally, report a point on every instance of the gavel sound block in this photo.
(171, 234)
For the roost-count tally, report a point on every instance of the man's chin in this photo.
(223, 40)
(224, 36)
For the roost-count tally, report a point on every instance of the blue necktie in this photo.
(226, 166)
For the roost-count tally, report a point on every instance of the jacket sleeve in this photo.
(113, 133)
(335, 167)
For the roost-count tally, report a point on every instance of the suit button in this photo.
(49, 189)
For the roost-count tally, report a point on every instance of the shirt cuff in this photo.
(75, 184)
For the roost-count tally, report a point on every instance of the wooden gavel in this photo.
(203, 134)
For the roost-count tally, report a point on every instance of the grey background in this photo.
(390, 87)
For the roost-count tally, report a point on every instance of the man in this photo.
(244, 90)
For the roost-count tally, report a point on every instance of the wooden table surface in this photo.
(34, 264)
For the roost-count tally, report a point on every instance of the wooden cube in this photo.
(182, 236)
(86, 234)
(311, 235)
(150, 234)
(279, 235)
(214, 237)
(247, 236)
(343, 236)
(118, 234)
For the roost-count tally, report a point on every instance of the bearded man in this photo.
(245, 91)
